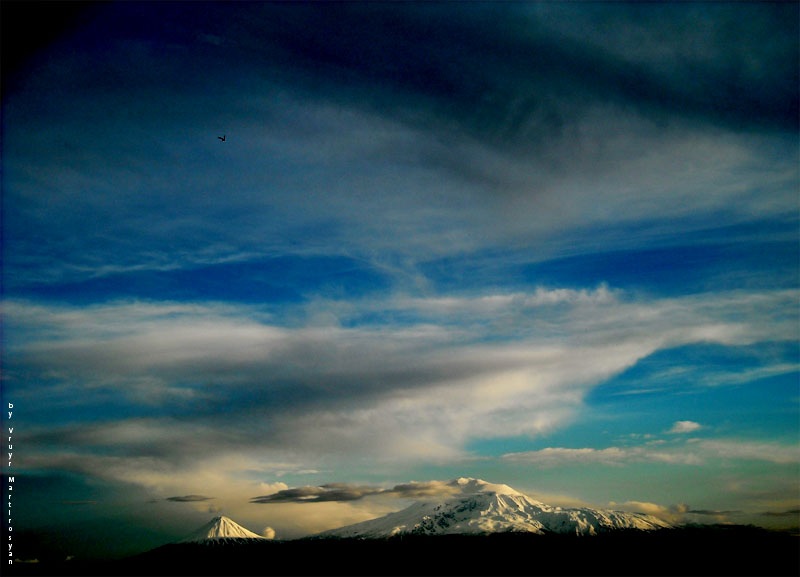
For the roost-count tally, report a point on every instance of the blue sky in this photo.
(553, 245)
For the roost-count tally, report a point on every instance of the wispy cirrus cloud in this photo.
(690, 452)
(502, 150)
(778, 453)
(561, 456)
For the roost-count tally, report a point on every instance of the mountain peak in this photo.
(470, 486)
(482, 507)
(220, 527)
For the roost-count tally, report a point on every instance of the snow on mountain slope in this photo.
(488, 508)
(220, 528)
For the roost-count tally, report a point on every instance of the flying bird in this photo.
(222, 138)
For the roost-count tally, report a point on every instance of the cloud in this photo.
(647, 508)
(170, 287)
(793, 513)
(268, 533)
(419, 389)
(685, 427)
(492, 304)
(189, 498)
(711, 513)
(560, 71)
(542, 116)
(421, 490)
(348, 492)
(677, 514)
(270, 488)
(308, 495)
(560, 456)
(772, 452)
(328, 492)
(689, 452)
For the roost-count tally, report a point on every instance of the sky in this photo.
(550, 245)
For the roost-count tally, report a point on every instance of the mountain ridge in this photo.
(484, 508)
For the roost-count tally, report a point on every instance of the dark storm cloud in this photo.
(330, 492)
(189, 498)
(789, 513)
(711, 513)
(348, 492)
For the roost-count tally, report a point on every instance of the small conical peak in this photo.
(221, 528)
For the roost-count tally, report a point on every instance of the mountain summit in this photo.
(488, 508)
(220, 528)
(467, 485)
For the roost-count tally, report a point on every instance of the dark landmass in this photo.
(715, 550)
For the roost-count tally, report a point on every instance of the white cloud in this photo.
(304, 396)
(748, 375)
(688, 452)
(560, 456)
(268, 532)
(491, 304)
(677, 514)
(750, 450)
(270, 488)
(685, 427)
(660, 511)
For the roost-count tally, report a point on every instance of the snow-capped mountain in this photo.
(220, 529)
(488, 508)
